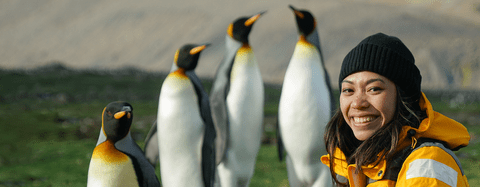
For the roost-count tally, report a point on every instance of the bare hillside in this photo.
(110, 34)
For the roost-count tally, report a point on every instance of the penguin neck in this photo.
(305, 52)
(244, 48)
(303, 42)
(107, 152)
(244, 52)
(303, 39)
(180, 72)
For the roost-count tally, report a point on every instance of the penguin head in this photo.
(116, 120)
(305, 21)
(187, 56)
(240, 28)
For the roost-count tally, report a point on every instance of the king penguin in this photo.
(237, 99)
(151, 140)
(117, 160)
(186, 133)
(305, 107)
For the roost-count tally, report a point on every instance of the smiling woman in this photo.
(366, 102)
(386, 132)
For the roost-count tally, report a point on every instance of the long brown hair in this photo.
(381, 145)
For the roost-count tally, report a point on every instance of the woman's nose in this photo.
(360, 102)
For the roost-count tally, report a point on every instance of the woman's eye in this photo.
(374, 89)
(347, 90)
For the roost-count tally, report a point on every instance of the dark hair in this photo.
(381, 145)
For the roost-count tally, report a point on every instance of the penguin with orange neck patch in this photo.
(305, 107)
(237, 100)
(117, 160)
(151, 140)
(185, 129)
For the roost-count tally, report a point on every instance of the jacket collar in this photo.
(436, 126)
(341, 167)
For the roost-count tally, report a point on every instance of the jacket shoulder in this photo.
(431, 164)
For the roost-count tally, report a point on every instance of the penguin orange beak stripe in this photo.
(120, 114)
(298, 13)
(196, 50)
(252, 20)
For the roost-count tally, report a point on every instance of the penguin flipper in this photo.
(208, 147)
(332, 100)
(280, 148)
(218, 102)
(143, 169)
(218, 97)
(314, 38)
(151, 148)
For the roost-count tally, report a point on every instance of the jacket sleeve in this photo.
(431, 166)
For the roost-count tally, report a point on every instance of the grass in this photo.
(50, 120)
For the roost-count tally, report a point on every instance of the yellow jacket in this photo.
(425, 166)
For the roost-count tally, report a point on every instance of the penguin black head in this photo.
(305, 21)
(187, 56)
(117, 119)
(240, 28)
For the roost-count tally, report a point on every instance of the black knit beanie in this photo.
(387, 56)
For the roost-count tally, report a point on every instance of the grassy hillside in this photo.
(50, 120)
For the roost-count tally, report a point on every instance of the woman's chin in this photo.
(363, 135)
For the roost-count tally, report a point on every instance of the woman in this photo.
(386, 133)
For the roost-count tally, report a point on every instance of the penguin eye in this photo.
(109, 113)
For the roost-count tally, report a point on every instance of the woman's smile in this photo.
(363, 120)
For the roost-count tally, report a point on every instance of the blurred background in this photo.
(442, 34)
(62, 62)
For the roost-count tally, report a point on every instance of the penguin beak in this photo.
(198, 49)
(120, 114)
(252, 19)
(297, 13)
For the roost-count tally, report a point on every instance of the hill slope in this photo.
(108, 34)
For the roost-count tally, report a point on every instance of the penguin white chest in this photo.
(178, 102)
(304, 107)
(246, 84)
(305, 83)
(178, 108)
(245, 102)
(110, 168)
(181, 130)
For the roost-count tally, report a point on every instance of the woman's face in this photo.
(367, 101)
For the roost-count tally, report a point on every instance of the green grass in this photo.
(50, 163)
(50, 122)
(470, 155)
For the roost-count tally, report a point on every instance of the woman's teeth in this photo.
(362, 119)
